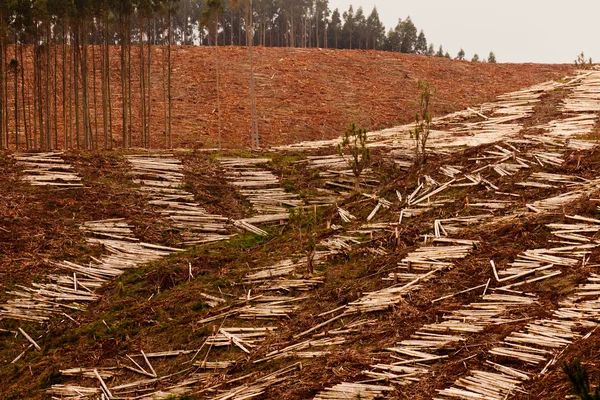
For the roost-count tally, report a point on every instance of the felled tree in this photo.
(580, 381)
(422, 122)
(354, 145)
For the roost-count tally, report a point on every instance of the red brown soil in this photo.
(302, 94)
(307, 94)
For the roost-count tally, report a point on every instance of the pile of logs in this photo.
(161, 177)
(48, 169)
(262, 189)
(537, 344)
(346, 390)
(76, 284)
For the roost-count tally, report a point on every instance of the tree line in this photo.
(59, 60)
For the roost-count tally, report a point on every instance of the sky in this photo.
(539, 31)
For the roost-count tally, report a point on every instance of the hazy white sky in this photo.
(541, 31)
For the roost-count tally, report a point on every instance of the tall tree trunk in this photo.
(123, 80)
(149, 87)
(55, 92)
(108, 90)
(170, 35)
(23, 96)
(76, 83)
(95, 95)
(249, 34)
(16, 94)
(47, 88)
(129, 86)
(85, 90)
(218, 87)
(142, 83)
(64, 81)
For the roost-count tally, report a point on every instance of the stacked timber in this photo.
(161, 177)
(558, 202)
(415, 268)
(536, 345)
(48, 169)
(259, 386)
(244, 338)
(75, 284)
(348, 390)
(262, 189)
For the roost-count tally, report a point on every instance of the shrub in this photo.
(355, 143)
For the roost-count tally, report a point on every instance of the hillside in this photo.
(154, 275)
(302, 94)
(305, 94)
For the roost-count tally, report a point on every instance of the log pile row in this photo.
(538, 344)
(260, 385)
(416, 268)
(69, 290)
(162, 178)
(287, 275)
(432, 343)
(347, 390)
(586, 94)
(48, 169)
(558, 202)
(244, 338)
(262, 189)
(146, 388)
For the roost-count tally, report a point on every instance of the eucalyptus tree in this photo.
(210, 19)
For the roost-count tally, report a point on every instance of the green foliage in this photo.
(475, 58)
(421, 46)
(582, 63)
(492, 58)
(422, 122)
(440, 52)
(354, 145)
(199, 306)
(306, 221)
(580, 381)
(211, 14)
(461, 55)
(430, 50)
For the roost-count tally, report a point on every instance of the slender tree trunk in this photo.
(55, 90)
(85, 91)
(169, 118)
(23, 96)
(76, 83)
(163, 64)
(108, 90)
(218, 87)
(123, 80)
(3, 105)
(64, 81)
(149, 87)
(35, 94)
(142, 86)
(95, 94)
(47, 87)
(129, 86)
(16, 94)
(249, 34)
